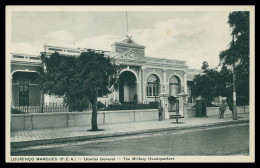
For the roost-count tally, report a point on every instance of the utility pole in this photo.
(234, 89)
(234, 94)
(126, 23)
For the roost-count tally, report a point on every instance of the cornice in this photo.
(128, 45)
(175, 68)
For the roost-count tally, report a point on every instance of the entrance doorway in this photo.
(24, 92)
(127, 87)
(25, 89)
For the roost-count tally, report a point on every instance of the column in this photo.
(182, 103)
(139, 86)
(164, 81)
(164, 103)
(185, 83)
(138, 91)
(143, 83)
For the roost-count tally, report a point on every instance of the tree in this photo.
(208, 85)
(237, 55)
(212, 83)
(238, 51)
(79, 79)
(225, 75)
(219, 83)
(205, 65)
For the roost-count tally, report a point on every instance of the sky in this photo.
(193, 36)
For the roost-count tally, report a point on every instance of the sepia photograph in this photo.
(130, 84)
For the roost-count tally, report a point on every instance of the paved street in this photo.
(215, 140)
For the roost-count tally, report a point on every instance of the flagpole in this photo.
(126, 23)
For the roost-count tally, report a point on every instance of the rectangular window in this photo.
(73, 51)
(152, 89)
(55, 49)
(35, 58)
(157, 90)
(149, 90)
(18, 56)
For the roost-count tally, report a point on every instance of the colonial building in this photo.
(142, 78)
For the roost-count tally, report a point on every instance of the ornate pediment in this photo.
(129, 57)
(130, 54)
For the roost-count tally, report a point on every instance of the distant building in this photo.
(141, 77)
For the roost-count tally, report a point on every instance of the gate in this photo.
(173, 108)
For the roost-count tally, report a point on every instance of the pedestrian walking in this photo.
(160, 110)
(222, 109)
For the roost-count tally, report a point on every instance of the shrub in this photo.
(77, 104)
(241, 101)
(172, 100)
(100, 105)
(154, 104)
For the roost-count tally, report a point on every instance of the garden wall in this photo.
(70, 119)
(214, 111)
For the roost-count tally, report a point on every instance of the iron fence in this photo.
(40, 108)
(61, 107)
(130, 106)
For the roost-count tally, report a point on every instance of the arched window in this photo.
(175, 86)
(153, 85)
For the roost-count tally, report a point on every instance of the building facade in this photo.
(142, 78)
(25, 87)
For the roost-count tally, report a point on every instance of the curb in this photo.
(88, 137)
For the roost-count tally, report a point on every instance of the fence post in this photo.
(134, 115)
(41, 107)
(70, 119)
(104, 118)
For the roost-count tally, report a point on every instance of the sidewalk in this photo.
(56, 135)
